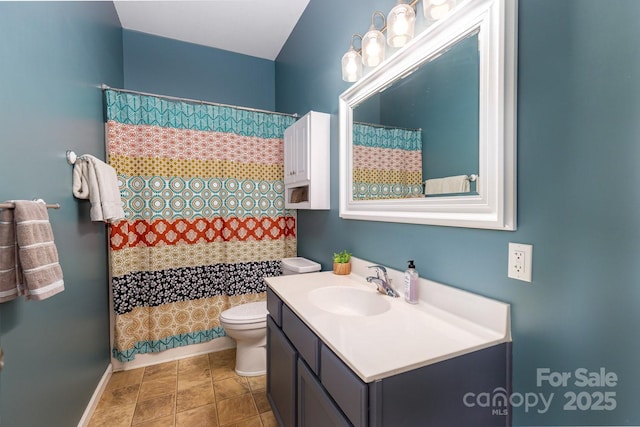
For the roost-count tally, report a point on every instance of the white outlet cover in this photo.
(520, 267)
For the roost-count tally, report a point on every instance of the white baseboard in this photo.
(95, 398)
(148, 359)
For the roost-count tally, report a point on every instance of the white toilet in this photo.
(247, 324)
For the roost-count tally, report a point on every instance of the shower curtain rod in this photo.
(195, 101)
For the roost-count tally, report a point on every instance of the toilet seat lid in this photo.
(246, 313)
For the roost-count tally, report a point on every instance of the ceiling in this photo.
(251, 27)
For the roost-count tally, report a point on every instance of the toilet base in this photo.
(251, 360)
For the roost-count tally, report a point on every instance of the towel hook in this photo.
(71, 157)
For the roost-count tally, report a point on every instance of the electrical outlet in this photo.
(520, 257)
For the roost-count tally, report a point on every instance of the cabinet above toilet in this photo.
(306, 162)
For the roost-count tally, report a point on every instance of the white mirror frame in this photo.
(494, 207)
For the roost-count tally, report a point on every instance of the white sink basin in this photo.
(348, 301)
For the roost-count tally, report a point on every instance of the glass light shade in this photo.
(435, 10)
(351, 66)
(400, 25)
(373, 44)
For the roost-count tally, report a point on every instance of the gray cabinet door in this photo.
(281, 375)
(315, 407)
(346, 389)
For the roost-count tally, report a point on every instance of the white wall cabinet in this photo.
(306, 162)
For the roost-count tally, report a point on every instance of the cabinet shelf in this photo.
(306, 162)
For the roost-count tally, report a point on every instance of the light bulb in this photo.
(373, 53)
(373, 48)
(439, 11)
(373, 43)
(351, 66)
(401, 21)
(401, 25)
(435, 10)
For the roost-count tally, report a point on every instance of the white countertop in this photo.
(447, 322)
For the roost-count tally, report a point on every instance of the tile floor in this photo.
(198, 391)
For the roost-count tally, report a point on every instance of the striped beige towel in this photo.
(37, 253)
(8, 268)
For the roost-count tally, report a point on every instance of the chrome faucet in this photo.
(383, 283)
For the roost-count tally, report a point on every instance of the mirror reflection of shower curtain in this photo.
(387, 162)
(203, 194)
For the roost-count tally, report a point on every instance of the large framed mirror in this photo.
(428, 136)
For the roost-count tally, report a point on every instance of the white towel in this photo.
(450, 184)
(97, 181)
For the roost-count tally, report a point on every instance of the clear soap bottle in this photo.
(411, 284)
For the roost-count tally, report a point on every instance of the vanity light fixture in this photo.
(400, 24)
(373, 43)
(352, 62)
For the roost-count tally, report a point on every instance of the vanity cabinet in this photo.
(294, 389)
(306, 162)
(309, 385)
(315, 407)
(282, 360)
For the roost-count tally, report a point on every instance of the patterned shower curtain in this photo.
(203, 194)
(387, 162)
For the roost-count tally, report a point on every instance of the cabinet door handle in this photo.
(1, 359)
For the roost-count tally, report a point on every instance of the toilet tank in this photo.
(298, 265)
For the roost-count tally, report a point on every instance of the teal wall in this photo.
(578, 154)
(170, 67)
(578, 109)
(53, 58)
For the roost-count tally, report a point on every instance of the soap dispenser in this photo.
(411, 284)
